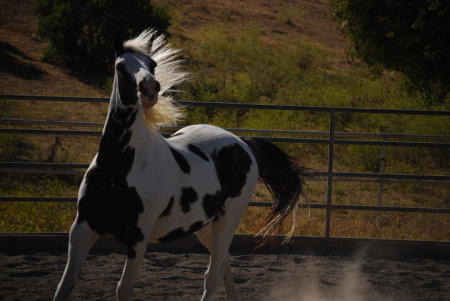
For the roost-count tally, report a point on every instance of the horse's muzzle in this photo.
(148, 92)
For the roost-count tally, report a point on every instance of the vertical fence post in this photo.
(330, 170)
(380, 184)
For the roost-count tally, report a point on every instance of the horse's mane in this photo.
(168, 72)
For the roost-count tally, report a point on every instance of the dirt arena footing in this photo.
(244, 244)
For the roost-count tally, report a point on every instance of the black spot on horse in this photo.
(180, 232)
(213, 204)
(108, 203)
(198, 152)
(184, 165)
(188, 196)
(127, 86)
(232, 164)
(151, 65)
(195, 227)
(168, 209)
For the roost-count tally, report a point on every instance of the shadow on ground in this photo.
(17, 63)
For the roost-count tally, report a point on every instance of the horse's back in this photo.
(227, 156)
(205, 136)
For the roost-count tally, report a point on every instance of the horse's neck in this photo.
(125, 138)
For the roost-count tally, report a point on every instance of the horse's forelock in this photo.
(142, 43)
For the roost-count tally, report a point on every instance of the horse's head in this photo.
(146, 70)
(135, 75)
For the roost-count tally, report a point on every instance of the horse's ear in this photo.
(118, 44)
(150, 41)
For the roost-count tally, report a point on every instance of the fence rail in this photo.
(236, 105)
(238, 130)
(330, 138)
(75, 168)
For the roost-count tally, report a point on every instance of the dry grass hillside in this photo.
(295, 20)
(22, 71)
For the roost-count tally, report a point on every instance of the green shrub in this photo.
(80, 33)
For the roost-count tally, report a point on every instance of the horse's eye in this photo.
(123, 73)
(122, 70)
(120, 67)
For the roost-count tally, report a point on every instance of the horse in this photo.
(142, 187)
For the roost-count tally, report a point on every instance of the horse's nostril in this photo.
(149, 87)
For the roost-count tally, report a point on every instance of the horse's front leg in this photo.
(81, 239)
(126, 284)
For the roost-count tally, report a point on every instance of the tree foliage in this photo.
(81, 32)
(409, 36)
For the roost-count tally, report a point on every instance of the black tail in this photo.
(282, 177)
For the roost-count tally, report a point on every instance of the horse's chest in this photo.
(106, 201)
(110, 206)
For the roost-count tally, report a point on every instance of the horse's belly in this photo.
(178, 225)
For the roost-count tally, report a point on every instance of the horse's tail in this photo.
(283, 178)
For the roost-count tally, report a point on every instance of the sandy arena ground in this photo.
(288, 277)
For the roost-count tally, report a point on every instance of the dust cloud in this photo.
(345, 282)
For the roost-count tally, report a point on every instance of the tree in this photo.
(80, 33)
(409, 36)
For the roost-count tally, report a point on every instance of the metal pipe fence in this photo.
(331, 138)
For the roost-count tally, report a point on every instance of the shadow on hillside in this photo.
(14, 62)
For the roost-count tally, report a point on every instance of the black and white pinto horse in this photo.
(143, 187)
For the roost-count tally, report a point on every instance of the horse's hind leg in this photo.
(228, 281)
(205, 237)
(81, 239)
(217, 238)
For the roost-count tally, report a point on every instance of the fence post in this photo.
(380, 184)
(330, 170)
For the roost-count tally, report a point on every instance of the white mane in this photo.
(168, 72)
